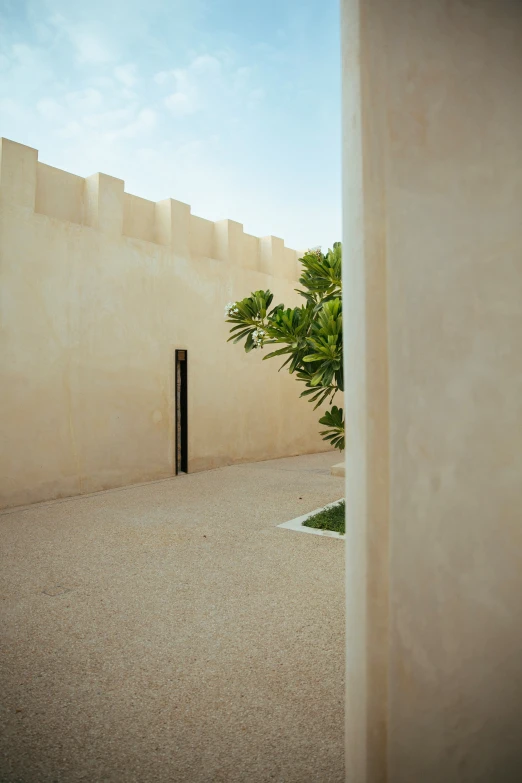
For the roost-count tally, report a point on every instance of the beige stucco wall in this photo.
(432, 138)
(98, 288)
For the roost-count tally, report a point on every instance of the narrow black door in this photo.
(181, 413)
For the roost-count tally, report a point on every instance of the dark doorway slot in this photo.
(181, 413)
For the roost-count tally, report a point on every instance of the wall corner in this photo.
(228, 241)
(18, 166)
(104, 204)
(271, 254)
(172, 225)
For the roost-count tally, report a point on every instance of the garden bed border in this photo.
(297, 523)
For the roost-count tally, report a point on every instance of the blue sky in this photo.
(232, 106)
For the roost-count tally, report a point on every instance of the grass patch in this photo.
(329, 519)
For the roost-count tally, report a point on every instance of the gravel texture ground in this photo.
(171, 633)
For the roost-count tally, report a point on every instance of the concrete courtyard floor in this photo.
(172, 632)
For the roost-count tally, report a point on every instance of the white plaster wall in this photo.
(91, 314)
(433, 165)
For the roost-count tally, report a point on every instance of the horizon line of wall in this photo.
(99, 202)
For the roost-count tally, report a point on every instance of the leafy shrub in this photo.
(311, 336)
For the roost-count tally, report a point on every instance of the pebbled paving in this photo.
(172, 633)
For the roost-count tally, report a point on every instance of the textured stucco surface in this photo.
(433, 252)
(98, 288)
(197, 642)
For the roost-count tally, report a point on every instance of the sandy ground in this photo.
(172, 632)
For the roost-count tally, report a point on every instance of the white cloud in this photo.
(209, 83)
(44, 34)
(23, 54)
(181, 104)
(129, 95)
(126, 74)
(90, 49)
(205, 64)
(103, 82)
(255, 98)
(227, 57)
(88, 39)
(190, 149)
(84, 100)
(144, 122)
(242, 77)
(24, 67)
(111, 119)
(148, 155)
(10, 108)
(71, 130)
(50, 109)
(161, 77)
(94, 132)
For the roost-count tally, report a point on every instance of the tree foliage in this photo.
(310, 336)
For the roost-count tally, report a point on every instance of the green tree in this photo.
(310, 336)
